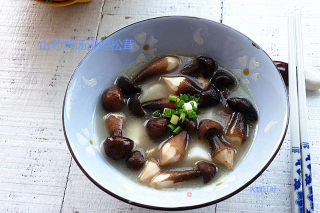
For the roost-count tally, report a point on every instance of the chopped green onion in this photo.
(183, 116)
(172, 127)
(167, 112)
(174, 119)
(192, 114)
(157, 114)
(179, 104)
(177, 130)
(182, 111)
(196, 99)
(184, 97)
(173, 98)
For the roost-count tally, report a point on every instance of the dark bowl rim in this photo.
(183, 207)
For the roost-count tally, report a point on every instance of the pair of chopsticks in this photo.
(302, 196)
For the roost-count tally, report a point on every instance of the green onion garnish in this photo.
(183, 116)
(173, 98)
(157, 114)
(167, 112)
(174, 119)
(196, 99)
(179, 104)
(172, 127)
(177, 130)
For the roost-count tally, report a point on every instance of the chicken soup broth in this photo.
(178, 121)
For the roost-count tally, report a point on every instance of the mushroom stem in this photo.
(114, 124)
(237, 128)
(134, 105)
(208, 127)
(158, 104)
(169, 179)
(174, 149)
(150, 170)
(161, 66)
(180, 84)
(222, 152)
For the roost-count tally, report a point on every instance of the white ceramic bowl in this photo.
(170, 35)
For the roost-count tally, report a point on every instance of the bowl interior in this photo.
(175, 35)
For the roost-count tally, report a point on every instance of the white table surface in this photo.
(37, 172)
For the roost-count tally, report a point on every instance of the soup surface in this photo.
(197, 150)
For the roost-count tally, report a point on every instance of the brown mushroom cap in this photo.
(207, 66)
(209, 97)
(135, 160)
(112, 99)
(127, 87)
(161, 66)
(208, 127)
(134, 105)
(208, 170)
(189, 125)
(157, 127)
(158, 104)
(244, 106)
(222, 80)
(117, 147)
(115, 124)
(190, 70)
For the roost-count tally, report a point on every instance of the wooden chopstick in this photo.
(302, 198)
(304, 144)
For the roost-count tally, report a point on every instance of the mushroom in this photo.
(223, 81)
(189, 125)
(117, 147)
(190, 69)
(127, 87)
(112, 99)
(207, 66)
(204, 82)
(135, 160)
(181, 84)
(237, 128)
(169, 179)
(134, 105)
(244, 106)
(158, 104)
(208, 170)
(209, 97)
(115, 123)
(157, 127)
(208, 127)
(161, 66)
(221, 152)
(282, 67)
(150, 170)
(174, 149)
